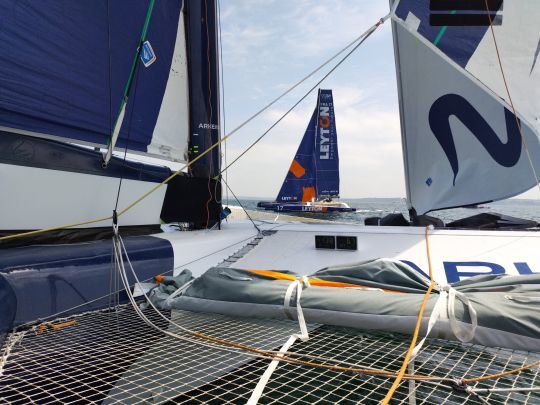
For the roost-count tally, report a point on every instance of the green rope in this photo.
(127, 88)
(442, 31)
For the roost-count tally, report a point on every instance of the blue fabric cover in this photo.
(38, 281)
(58, 77)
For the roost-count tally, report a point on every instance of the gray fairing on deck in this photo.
(502, 321)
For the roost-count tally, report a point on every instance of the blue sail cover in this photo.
(326, 149)
(314, 171)
(65, 64)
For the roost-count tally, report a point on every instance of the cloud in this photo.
(369, 148)
(268, 46)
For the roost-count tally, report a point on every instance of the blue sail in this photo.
(64, 67)
(299, 184)
(326, 150)
(314, 171)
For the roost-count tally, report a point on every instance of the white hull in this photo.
(455, 254)
(35, 198)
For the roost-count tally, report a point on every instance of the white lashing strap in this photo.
(447, 300)
(287, 300)
(445, 303)
(435, 314)
(463, 333)
(303, 335)
(257, 392)
(299, 313)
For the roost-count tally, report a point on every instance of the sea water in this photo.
(370, 207)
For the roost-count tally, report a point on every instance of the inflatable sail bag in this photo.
(491, 310)
(462, 128)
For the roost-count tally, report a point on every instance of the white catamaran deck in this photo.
(455, 254)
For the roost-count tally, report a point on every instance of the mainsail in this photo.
(64, 68)
(462, 142)
(314, 171)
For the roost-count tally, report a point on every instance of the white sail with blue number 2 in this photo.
(462, 142)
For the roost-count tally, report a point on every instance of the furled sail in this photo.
(462, 142)
(64, 68)
(314, 171)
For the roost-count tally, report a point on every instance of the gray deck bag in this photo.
(492, 310)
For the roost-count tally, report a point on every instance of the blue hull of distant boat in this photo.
(280, 207)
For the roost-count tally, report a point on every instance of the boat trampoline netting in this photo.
(114, 357)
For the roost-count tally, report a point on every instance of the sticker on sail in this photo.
(147, 54)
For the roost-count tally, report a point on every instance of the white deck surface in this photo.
(200, 250)
(292, 247)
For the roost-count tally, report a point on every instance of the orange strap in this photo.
(54, 326)
(408, 355)
(313, 281)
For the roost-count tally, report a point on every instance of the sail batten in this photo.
(462, 142)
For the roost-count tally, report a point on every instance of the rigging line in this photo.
(313, 72)
(129, 128)
(242, 206)
(366, 36)
(189, 164)
(518, 122)
(224, 129)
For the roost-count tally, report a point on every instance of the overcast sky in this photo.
(268, 45)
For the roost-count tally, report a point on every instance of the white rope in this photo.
(488, 390)
(12, 340)
(271, 103)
